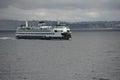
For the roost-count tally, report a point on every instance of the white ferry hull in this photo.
(38, 35)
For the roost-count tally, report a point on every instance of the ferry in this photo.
(59, 31)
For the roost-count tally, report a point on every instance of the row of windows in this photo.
(34, 28)
(38, 33)
(58, 31)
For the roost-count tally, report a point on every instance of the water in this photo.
(89, 55)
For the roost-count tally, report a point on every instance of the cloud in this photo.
(67, 10)
(5, 3)
(60, 4)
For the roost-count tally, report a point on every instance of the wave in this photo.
(7, 38)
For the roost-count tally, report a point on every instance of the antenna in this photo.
(26, 23)
(58, 22)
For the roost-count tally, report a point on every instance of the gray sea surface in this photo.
(89, 55)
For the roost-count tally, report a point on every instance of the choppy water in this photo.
(88, 56)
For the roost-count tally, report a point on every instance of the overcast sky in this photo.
(65, 10)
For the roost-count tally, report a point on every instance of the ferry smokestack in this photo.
(26, 22)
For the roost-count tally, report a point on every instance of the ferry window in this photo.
(56, 31)
(68, 31)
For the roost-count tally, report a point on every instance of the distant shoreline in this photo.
(7, 30)
(102, 29)
(115, 29)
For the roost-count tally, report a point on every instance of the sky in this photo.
(63, 10)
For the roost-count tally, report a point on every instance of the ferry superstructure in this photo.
(41, 31)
